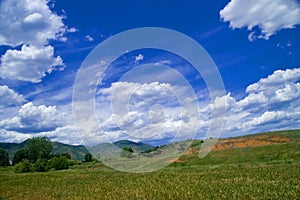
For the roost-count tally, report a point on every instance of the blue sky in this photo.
(255, 46)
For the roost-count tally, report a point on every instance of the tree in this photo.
(4, 159)
(67, 155)
(88, 157)
(59, 163)
(128, 149)
(19, 156)
(39, 148)
(127, 152)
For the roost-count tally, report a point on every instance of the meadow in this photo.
(93, 181)
(269, 170)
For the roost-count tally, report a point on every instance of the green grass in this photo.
(293, 134)
(263, 172)
(281, 181)
(285, 153)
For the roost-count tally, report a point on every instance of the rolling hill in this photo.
(136, 146)
(270, 147)
(277, 146)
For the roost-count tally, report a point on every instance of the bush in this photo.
(127, 152)
(41, 165)
(59, 163)
(88, 157)
(24, 166)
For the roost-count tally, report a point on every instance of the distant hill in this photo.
(76, 152)
(136, 146)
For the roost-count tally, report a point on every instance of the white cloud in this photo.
(89, 38)
(252, 100)
(139, 58)
(275, 80)
(270, 16)
(9, 97)
(147, 110)
(252, 36)
(31, 118)
(13, 136)
(31, 24)
(29, 64)
(272, 103)
(151, 114)
(72, 30)
(66, 134)
(268, 116)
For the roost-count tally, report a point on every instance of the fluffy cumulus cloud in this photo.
(271, 103)
(25, 21)
(9, 97)
(151, 111)
(31, 119)
(270, 16)
(278, 79)
(29, 64)
(32, 25)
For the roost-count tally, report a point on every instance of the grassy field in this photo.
(270, 170)
(243, 181)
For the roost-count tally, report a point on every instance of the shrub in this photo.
(59, 163)
(24, 166)
(88, 157)
(127, 152)
(41, 165)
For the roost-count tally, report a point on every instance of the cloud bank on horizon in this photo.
(39, 46)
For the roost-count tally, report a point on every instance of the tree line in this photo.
(36, 157)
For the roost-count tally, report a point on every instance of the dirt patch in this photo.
(249, 142)
(243, 142)
(175, 160)
(191, 150)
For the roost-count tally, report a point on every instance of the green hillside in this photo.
(136, 146)
(76, 152)
(270, 147)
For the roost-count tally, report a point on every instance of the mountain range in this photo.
(77, 152)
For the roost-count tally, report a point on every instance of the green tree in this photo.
(88, 157)
(38, 148)
(67, 155)
(59, 163)
(4, 159)
(19, 156)
(127, 152)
